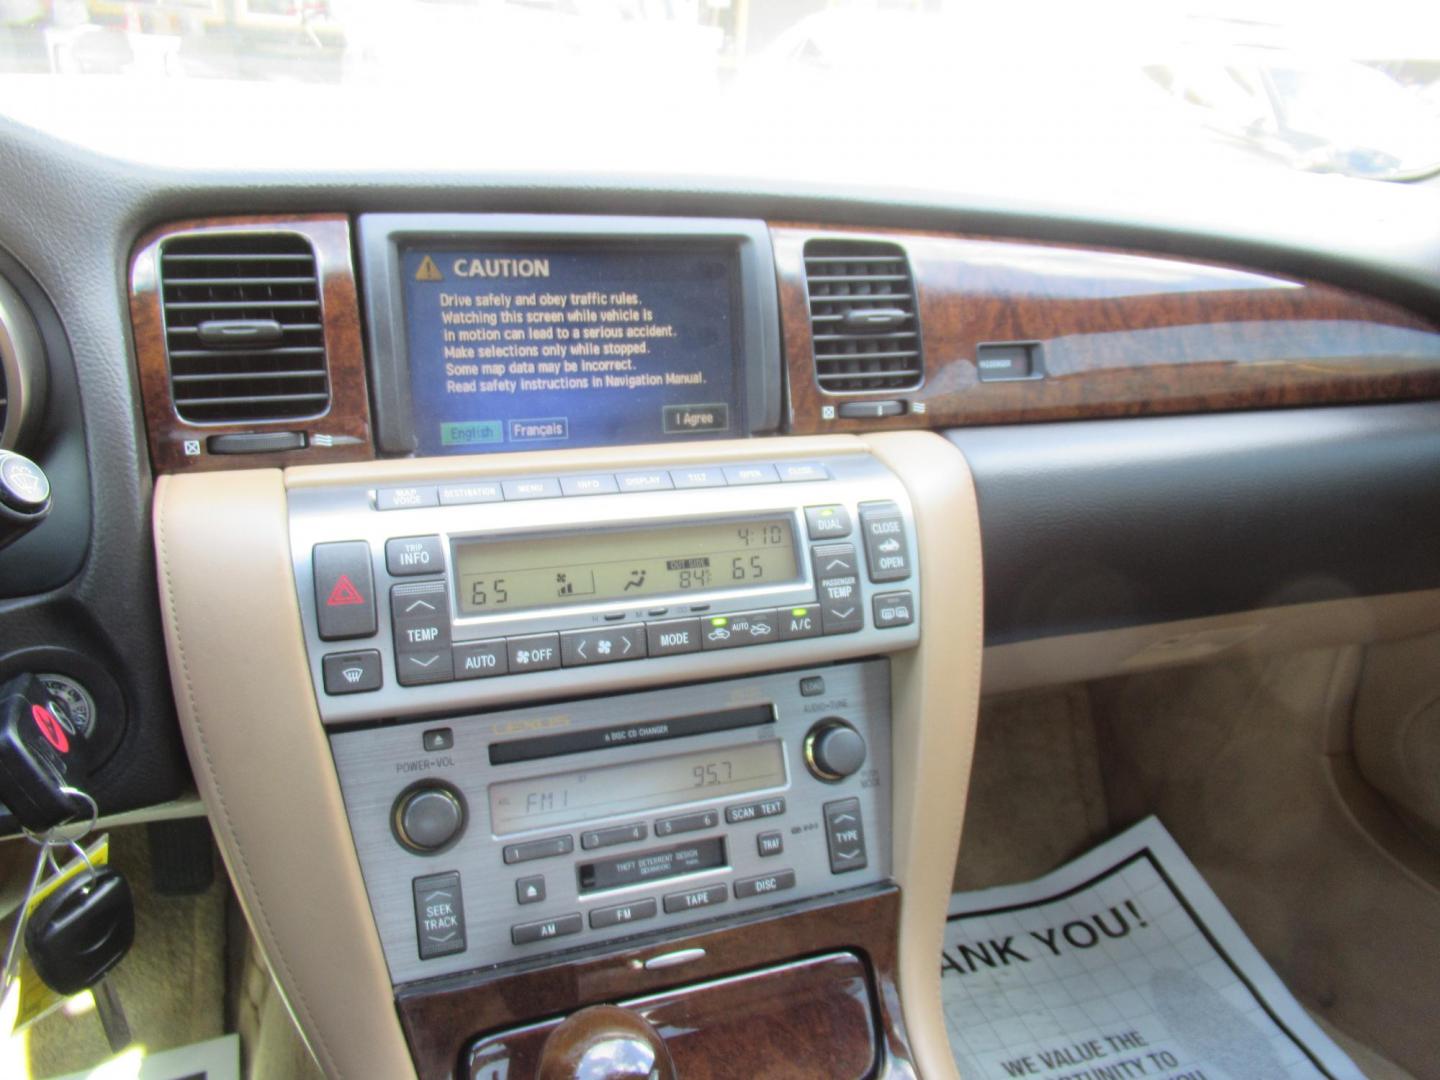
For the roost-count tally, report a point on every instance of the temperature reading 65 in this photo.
(712, 773)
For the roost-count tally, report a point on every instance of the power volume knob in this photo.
(428, 818)
(834, 750)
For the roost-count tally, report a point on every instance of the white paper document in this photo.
(1121, 965)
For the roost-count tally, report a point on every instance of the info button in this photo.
(694, 419)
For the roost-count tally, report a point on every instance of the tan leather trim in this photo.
(262, 763)
(936, 690)
(1075, 658)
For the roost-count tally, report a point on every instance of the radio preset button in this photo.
(644, 480)
(477, 491)
(695, 898)
(769, 843)
(561, 926)
(344, 590)
(798, 472)
(539, 849)
(352, 672)
(600, 484)
(673, 637)
(439, 914)
(894, 609)
(604, 917)
(405, 498)
(886, 548)
(531, 487)
(480, 659)
(764, 884)
(744, 475)
(533, 652)
(705, 819)
(619, 834)
(799, 622)
(736, 631)
(406, 556)
(827, 522)
(530, 890)
(580, 648)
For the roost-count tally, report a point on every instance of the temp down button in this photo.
(845, 835)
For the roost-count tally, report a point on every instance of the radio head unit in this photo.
(491, 589)
(534, 332)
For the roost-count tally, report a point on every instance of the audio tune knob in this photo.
(428, 817)
(834, 749)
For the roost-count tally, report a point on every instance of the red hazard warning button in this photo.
(344, 590)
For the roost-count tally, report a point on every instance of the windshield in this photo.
(909, 93)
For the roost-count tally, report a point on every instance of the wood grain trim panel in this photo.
(441, 1018)
(348, 416)
(1121, 334)
(798, 1020)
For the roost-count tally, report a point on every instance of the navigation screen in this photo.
(535, 350)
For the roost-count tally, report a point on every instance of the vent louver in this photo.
(862, 316)
(243, 327)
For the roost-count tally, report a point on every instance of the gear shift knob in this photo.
(605, 1042)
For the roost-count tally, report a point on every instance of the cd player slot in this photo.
(536, 747)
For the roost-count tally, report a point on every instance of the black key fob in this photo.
(82, 930)
(39, 754)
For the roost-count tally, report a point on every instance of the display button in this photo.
(561, 926)
(894, 609)
(406, 556)
(698, 477)
(735, 631)
(799, 622)
(539, 849)
(344, 590)
(827, 522)
(769, 843)
(533, 652)
(695, 898)
(619, 834)
(531, 487)
(845, 835)
(674, 636)
(600, 484)
(476, 491)
(480, 659)
(352, 672)
(580, 648)
(799, 472)
(744, 475)
(751, 811)
(765, 884)
(834, 561)
(681, 823)
(604, 917)
(439, 914)
(530, 890)
(644, 480)
(405, 498)
(886, 549)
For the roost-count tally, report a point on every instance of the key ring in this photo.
(54, 836)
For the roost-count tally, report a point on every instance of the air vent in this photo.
(243, 327)
(862, 316)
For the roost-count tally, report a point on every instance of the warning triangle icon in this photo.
(428, 271)
(344, 593)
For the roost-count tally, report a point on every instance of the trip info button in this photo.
(690, 419)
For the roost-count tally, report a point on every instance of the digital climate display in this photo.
(540, 349)
(496, 576)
